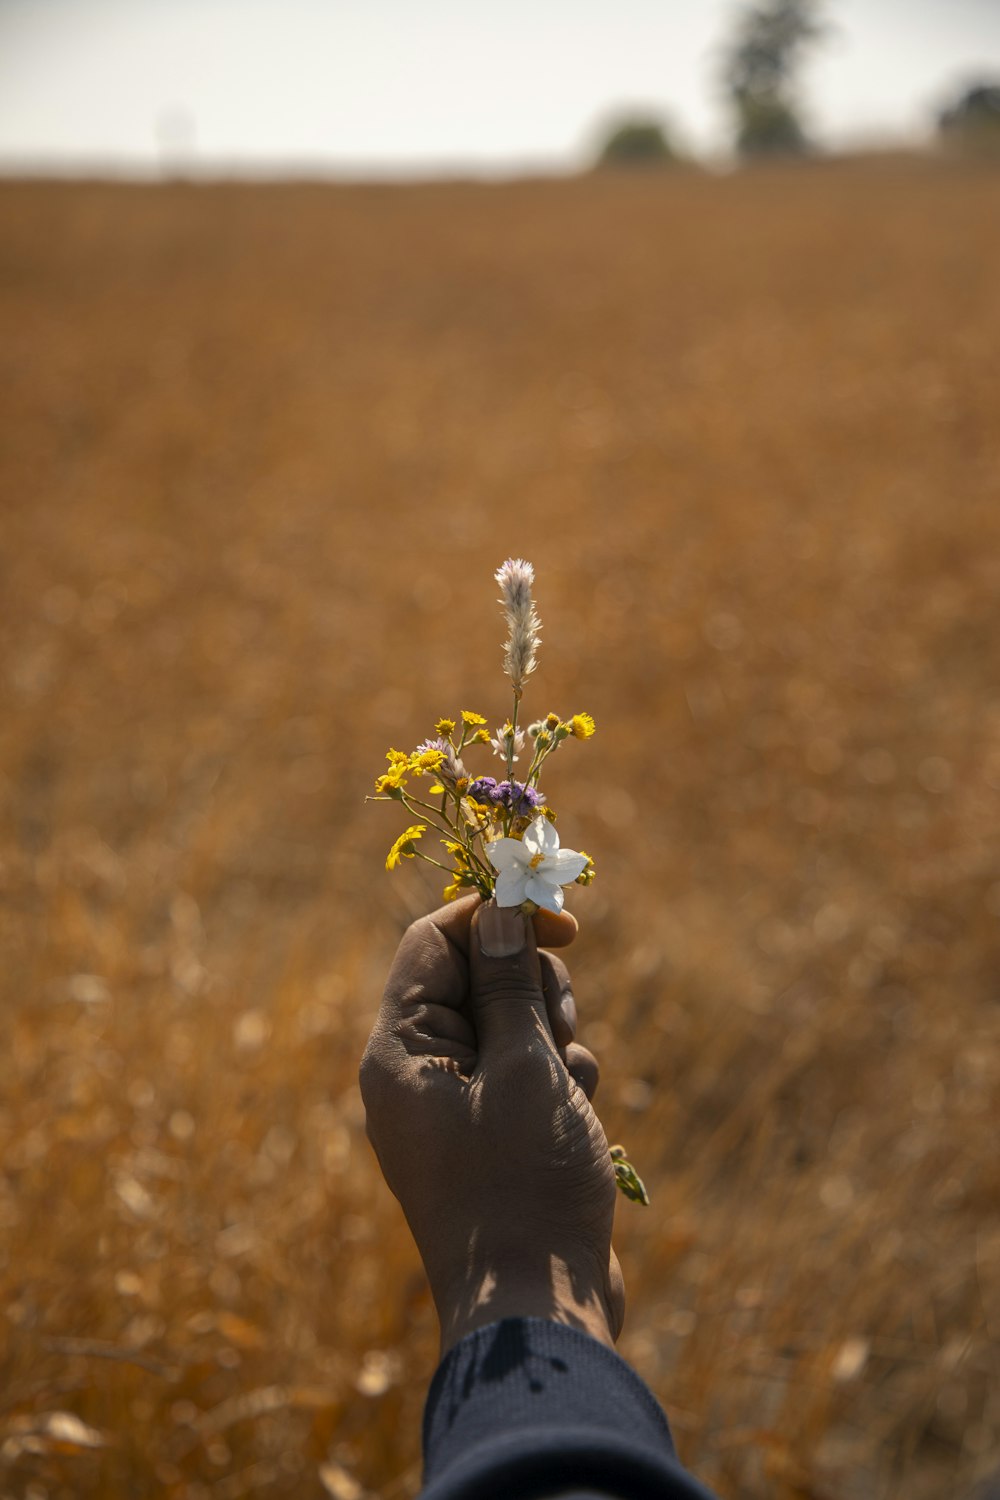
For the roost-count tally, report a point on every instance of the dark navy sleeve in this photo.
(533, 1409)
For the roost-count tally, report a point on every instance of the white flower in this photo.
(502, 740)
(534, 868)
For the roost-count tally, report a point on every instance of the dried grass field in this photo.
(262, 448)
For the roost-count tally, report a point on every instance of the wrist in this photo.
(560, 1293)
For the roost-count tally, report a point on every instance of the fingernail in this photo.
(502, 930)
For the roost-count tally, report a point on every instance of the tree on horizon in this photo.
(759, 72)
(972, 122)
(638, 141)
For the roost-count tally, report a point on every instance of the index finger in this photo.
(431, 962)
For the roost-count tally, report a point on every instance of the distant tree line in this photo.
(759, 78)
(760, 75)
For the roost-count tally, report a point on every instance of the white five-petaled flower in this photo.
(534, 868)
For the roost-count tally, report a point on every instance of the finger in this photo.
(430, 964)
(582, 1067)
(505, 981)
(559, 1002)
(437, 1025)
(552, 929)
(431, 961)
(617, 1285)
(428, 977)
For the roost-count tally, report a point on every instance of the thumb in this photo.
(505, 980)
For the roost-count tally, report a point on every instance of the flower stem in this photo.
(435, 862)
(411, 804)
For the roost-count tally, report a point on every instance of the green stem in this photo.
(435, 862)
(452, 834)
(449, 833)
(534, 770)
(508, 813)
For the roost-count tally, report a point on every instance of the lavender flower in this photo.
(517, 798)
(520, 799)
(451, 769)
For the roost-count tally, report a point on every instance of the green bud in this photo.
(627, 1179)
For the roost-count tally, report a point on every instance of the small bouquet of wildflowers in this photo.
(499, 835)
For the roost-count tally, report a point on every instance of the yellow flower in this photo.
(403, 847)
(426, 760)
(581, 726)
(396, 757)
(432, 791)
(445, 727)
(395, 778)
(481, 737)
(586, 875)
(470, 718)
(452, 892)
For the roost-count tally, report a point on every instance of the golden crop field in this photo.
(263, 447)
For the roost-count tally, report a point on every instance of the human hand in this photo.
(478, 1107)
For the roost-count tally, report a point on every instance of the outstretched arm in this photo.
(478, 1102)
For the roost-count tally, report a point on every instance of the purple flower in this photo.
(521, 800)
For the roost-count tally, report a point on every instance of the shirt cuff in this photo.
(529, 1407)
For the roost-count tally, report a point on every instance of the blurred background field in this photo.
(263, 448)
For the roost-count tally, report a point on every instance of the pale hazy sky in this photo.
(417, 86)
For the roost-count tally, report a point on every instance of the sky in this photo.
(423, 87)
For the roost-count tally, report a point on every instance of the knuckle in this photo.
(419, 927)
(507, 985)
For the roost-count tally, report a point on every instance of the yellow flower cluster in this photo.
(402, 766)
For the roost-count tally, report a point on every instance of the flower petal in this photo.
(565, 865)
(541, 838)
(507, 854)
(510, 887)
(543, 893)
